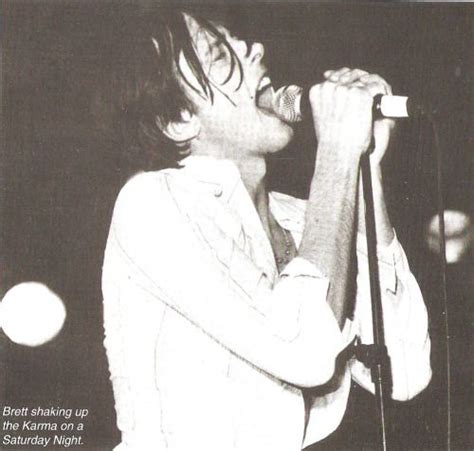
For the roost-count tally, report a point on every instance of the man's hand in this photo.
(342, 108)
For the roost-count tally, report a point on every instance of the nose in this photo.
(247, 50)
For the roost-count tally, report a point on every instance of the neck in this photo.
(253, 174)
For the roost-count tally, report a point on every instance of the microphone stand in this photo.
(375, 356)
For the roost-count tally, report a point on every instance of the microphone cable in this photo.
(442, 267)
(443, 271)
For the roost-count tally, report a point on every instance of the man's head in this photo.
(184, 83)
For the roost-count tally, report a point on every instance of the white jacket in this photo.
(207, 344)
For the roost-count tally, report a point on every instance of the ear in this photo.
(184, 130)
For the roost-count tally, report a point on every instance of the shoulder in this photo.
(154, 188)
(142, 186)
(145, 197)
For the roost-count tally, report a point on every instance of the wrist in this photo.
(343, 147)
(340, 156)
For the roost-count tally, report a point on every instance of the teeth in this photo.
(264, 83)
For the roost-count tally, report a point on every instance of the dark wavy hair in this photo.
(143, 85)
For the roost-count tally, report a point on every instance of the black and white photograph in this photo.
(236, 225)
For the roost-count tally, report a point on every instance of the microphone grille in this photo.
(286, 103)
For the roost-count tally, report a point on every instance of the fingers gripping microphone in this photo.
(291, 104)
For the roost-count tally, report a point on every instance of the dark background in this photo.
(60, 175)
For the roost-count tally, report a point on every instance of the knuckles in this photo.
(342, 110)
(329, 92)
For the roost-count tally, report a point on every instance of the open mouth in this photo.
(264, 94)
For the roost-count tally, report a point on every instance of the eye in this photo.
(219, 54)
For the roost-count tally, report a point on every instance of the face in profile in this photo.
(231, 123)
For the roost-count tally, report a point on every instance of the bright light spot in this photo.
(31, 314)
(459, 233)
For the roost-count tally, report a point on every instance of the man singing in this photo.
(224, 303)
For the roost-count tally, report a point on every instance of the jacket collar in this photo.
(222, 177)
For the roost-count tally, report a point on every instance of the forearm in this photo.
(330, 223)
(342, 117)
(383, 226)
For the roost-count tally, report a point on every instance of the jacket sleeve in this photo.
(405, 321)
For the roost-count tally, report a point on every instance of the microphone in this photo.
(291, 104)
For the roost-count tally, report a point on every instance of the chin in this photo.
(278, 138)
